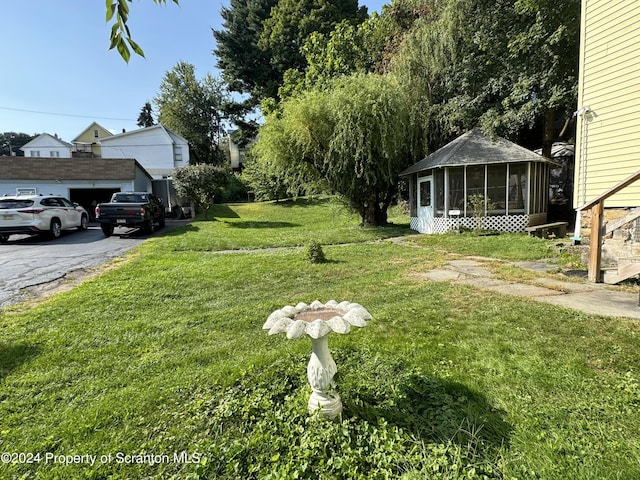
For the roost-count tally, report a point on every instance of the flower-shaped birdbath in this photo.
(318, 320)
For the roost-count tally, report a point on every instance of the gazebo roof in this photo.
(475, 148)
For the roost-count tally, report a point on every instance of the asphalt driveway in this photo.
(32, 263)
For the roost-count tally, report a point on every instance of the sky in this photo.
(58, 76)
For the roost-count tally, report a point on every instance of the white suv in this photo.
(33, 214)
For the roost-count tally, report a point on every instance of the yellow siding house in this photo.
(88, 142)
(608, 127)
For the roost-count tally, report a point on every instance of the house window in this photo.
(35, 153)
(177, 153)
(54, 153)
(425, 193)
(95, 133)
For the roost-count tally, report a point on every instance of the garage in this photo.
(90, 197)
(81, 180)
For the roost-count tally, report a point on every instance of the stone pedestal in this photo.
(321, 370)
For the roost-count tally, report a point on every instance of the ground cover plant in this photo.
(446, 382)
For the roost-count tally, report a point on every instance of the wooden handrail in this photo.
(597, 210)
(612, 191)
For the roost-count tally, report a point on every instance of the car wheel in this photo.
(4, 238)
(84, 223)
(106, 229)
(55, 229)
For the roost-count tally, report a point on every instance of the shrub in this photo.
(313, 253)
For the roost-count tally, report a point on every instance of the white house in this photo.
(159, 150)
(45, 145)
(99, 163)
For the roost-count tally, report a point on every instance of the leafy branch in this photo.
(118, 13)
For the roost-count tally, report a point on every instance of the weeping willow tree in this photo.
(351, 136)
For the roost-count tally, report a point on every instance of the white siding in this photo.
(47, 146)
(152, 147)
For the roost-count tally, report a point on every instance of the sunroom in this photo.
(479, 182)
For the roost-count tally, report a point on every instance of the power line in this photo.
(65, 114)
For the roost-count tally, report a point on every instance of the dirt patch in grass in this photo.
(34, 294)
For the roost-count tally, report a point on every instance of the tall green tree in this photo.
(545, 53)
(261, 39)
(342, 52)
(292, 22)
(10, 143)
(345, 50)
(194, 109)
(245, 66)
(145, 119)
(397, 19)
(352, 136)
(355, 48)
(267, 180)
(509, 66)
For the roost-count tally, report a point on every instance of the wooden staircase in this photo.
(627, 268)
(596, 206)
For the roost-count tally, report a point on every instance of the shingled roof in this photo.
(475, 148)
(43, 168)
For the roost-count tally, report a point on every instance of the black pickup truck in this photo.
(130, 209)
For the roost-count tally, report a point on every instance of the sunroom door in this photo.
(425, 205)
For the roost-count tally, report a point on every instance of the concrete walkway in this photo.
(555, 288)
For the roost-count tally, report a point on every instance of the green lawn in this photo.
(165, 354)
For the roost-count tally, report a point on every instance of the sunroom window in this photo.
(497, 189)
(517, 187)
(456, 188)
(503, 187)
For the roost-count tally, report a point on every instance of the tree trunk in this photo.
(374, 214)
(549, 132)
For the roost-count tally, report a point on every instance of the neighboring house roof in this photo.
(175, 136)
(170, 135)
(45, 140)
(38, 168)
(475, 148)
(103, 132)
(560, 150)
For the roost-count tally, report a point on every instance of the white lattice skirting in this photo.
(503, 223)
